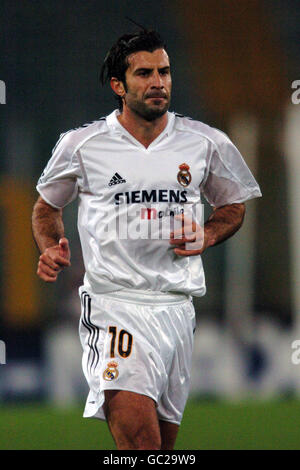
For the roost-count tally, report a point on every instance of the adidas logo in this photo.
(116, 179)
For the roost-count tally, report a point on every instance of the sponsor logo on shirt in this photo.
(153, 213)
(156, 195)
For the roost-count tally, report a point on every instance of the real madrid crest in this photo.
(111, 372)
(184, 177)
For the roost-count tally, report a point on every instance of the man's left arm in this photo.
(193, 240)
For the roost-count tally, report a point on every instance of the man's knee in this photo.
(142, 438)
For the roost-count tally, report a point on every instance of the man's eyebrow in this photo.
(143, 69)
(148, 69)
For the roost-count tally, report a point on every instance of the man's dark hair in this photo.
(115, 63)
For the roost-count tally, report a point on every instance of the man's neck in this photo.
(143, 131)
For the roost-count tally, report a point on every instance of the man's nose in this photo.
(157, 80)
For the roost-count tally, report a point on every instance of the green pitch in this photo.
(206, 425)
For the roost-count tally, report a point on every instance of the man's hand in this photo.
(53, 260)
(190, 239)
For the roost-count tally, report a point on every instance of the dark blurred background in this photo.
(233, 65)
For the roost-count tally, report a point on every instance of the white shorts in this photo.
(140, 342)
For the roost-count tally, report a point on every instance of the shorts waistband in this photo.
(147, 296)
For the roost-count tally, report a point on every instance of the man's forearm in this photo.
(224, 222)
(47, 225)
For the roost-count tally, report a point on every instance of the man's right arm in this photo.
(48, 232)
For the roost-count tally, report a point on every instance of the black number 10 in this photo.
(123, 351)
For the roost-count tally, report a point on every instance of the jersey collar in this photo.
(114, 124)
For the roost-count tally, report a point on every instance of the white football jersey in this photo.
(124, 186)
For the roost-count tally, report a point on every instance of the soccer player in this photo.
(138, 319)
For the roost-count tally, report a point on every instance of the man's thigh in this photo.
(132, 420)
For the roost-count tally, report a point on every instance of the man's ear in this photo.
(117, 86)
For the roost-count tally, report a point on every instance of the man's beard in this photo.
(146, 112)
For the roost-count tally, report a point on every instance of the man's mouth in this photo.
(157, 96)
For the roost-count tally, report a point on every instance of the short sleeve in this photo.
(228, 179)
(58, 184)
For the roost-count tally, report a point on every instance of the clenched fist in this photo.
(53, 260)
